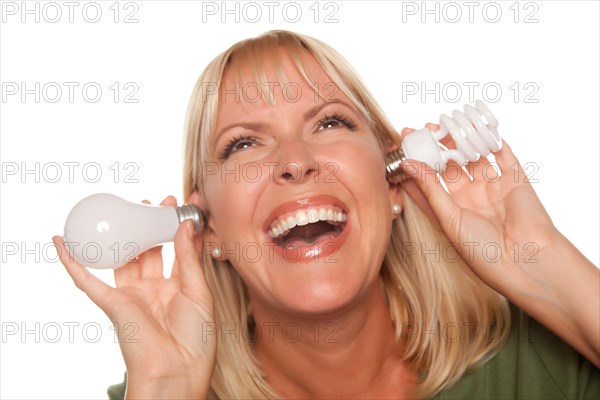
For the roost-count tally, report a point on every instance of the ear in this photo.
(210, 239)
(198, 200)
(389, 145)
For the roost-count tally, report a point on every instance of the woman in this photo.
(316, 278)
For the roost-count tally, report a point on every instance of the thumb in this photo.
(428, 181)
(190, 270)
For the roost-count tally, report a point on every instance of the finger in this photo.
(406, 131)
(446, 210)
(169, 201)
(129, 274)
(455, 176)
(507, 161)
(175, 270)
(200, 250)
(413, 191)
(151, 261)
(432, 127)
(483, 170)
(446, 141)
(511, 169)
(93, 287)
(199, 244)
(189, 268)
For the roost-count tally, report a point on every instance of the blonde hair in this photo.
(434, 299)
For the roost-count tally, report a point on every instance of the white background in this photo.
(163, 53)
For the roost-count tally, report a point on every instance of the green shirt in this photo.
(533, 364)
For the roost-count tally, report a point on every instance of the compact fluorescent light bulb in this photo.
(105, 231)
(474, 132)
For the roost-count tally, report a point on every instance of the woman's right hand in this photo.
(160, 321)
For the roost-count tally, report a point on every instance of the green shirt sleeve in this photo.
(117, 392)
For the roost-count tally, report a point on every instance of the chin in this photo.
(320, 296)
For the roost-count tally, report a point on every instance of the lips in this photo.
(308, 228)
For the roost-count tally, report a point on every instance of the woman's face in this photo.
(306, 161)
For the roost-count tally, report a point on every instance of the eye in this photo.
(335, 121)
(237, 143)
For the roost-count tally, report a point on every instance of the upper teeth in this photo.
(282, 225)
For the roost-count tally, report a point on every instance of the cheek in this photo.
(223, 202)
(363, 173)
(362, 168)
(232, 195)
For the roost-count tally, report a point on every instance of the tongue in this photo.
(310, 233)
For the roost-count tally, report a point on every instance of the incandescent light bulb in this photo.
(105, 231)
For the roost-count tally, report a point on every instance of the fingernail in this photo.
(409, 167)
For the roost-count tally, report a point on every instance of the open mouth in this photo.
(305, 227)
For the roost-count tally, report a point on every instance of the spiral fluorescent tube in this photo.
(474, 132)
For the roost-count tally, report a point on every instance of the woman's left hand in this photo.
(500, 228)
(497, 222)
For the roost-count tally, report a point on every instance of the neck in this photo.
(350, 354)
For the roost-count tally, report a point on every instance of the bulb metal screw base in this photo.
(394, 173)
(190, 211)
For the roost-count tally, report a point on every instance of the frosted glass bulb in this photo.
(105, 231)
(474, 132)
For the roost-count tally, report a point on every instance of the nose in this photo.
(295, 162)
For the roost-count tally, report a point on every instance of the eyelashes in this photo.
(241, 142)
(336, 118)
(234, 145)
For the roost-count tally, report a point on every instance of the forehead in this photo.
(276, 78)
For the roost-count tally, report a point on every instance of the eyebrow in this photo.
(315, 110)
(255, 126)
